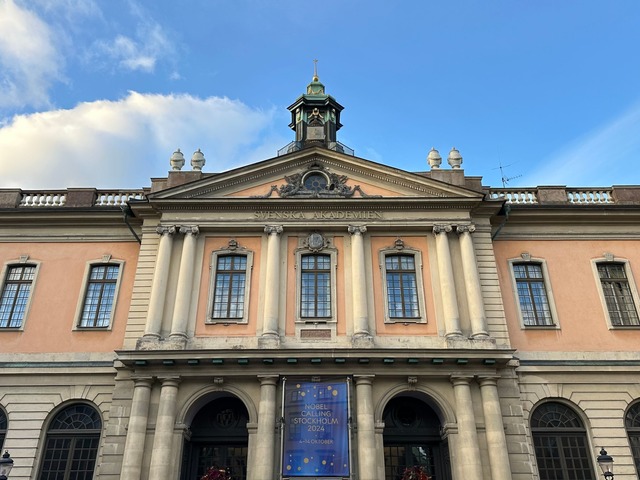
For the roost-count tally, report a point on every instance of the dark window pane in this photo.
(15, 294)
(617, 294)
(532, 294)
(315, 286)
(402, 290)
(98, 300)
(228, 294)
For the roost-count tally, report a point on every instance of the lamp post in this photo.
(6, 464)
(606, 464)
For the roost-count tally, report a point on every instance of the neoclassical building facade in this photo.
(319, 315)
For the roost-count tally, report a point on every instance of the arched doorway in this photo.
(413, 436)
(218, 438)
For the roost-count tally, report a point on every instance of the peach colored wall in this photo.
(249, 329)
(290, 313)
(583, 324)
(263, 189)
(48, 326)
(417, 243)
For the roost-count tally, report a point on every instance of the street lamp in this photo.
(6, 464)
(606, 464)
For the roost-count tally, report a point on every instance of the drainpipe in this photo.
(128, 213)
(507, 209)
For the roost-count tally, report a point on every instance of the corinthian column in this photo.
(265, 444)
(185, 283)
(137, 430)
(447, 283)
(163, 459)
(366, 428)
(467, 453)
(477, 316)
(270, 335)
(159, 284)
(496, 439)
(359, 285)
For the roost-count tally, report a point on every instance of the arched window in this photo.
(3, 427)
(632, 423)
(71, 446)
(560, 443)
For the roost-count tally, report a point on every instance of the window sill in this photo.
(226, 321)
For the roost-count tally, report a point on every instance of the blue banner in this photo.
(316, 430)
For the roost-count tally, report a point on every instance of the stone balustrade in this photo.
(561, 195)
(72, 197)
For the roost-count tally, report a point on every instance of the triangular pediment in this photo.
(316, 173)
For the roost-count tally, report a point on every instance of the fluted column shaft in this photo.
(163, 459)
(477, 316)
(366, 428)
(447, 283)
(467, 454)
(272, 294)
(496, 438)
(159, 283)
(359, 282)
(185, 282)
(266, 436)
(137, 430)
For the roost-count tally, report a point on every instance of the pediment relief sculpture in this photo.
(315, 182)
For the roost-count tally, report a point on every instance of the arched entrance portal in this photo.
(218, 438)
(412, 436)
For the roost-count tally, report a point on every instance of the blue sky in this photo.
(100, 92)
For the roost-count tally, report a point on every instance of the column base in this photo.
(362, 340)
(149, 342)
(269, 340)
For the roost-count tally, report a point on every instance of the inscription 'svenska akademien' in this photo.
(318, 215)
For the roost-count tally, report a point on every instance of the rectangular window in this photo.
(230, 283)
(617, 294)
(532, 294)
(315, 298)
(99, 297)
(402, 289)
(15, 295)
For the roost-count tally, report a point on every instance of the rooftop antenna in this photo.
(503, 176)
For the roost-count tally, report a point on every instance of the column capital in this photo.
(357, 229)
(172, 381)
(487, 380)
(273, 229)
(190, 230)
(442, 229)
(142, 381)
(465, 229)
(363, 379)
(461, 379)
(166, 229)
(268, 379)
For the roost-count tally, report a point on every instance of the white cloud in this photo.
(610, 153)
(121, 144)
(29, 58)
(141, 53)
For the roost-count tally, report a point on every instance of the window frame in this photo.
(419, 266)
(4, 426)
(610, 259)
(332, 253)
(24, 261)
(525, 258)
(106, 260)
(632, 427)
(213, 268)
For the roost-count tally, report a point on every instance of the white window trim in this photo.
(22, 261)
(212, 285)
(333, 254)
(546, 278)
(632, 287)
(417, 257)
(105, 260)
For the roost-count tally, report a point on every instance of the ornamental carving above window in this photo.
(315, 182)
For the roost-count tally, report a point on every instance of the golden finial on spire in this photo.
(315, 70)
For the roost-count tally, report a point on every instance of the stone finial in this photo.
(197, 160)
(434, 159)
(177, 160)
(454, 158)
